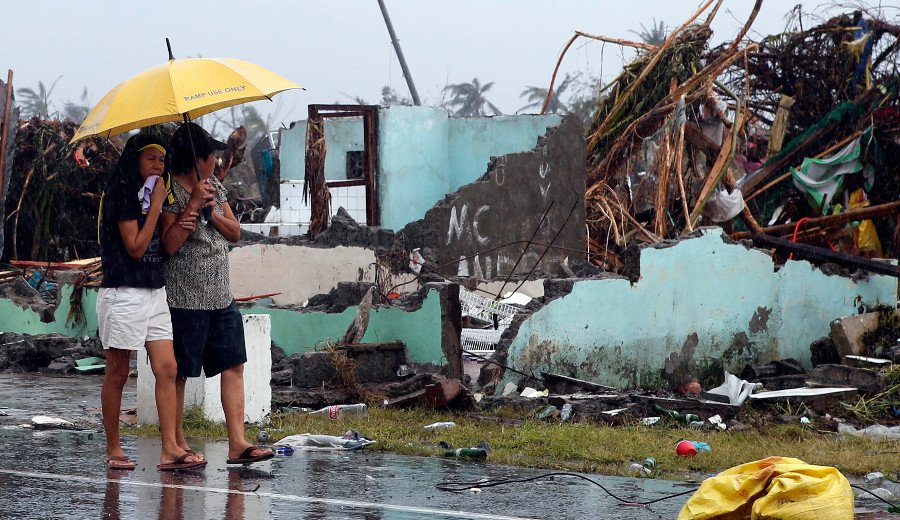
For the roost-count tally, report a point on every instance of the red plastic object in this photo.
(686, 449)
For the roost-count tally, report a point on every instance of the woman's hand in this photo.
(203, 194)
(188, 221)
(158, 195)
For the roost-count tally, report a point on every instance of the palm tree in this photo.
(77, 112)
(389, 97)
(537, 95)
(468, 99)
(36, 103)
(655, 35)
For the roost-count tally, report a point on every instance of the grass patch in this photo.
(581, 447)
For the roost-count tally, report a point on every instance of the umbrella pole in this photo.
(205, 211)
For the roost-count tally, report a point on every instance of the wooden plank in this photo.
(831, 220)
(819, 253)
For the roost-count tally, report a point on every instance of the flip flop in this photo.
(121, 462)
(181, 463)
(245, 457)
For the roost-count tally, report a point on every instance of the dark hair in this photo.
(191, 142)
(127, 170)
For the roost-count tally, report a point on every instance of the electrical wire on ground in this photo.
(894, 507)
(458, 487)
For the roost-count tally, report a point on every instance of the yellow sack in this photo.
(864, 235)
(772, 488)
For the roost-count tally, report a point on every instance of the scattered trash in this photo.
(716, 420)
(478, 397)
(42, 422)
(690, 387)
(532, 393)
(805, 420)
(403, 371)
(650, 421)
(880, 492)
(735, 389)
(778, 487)
(351, 440)
(876, 431)
(474, 490)
(638, 470)
(685, 418)
(549, 411)
(344, 411)
(509, 388)
(441, 425)
(566, 412)
(874, 478)
(690, 449)
(262, 437)
(284, 450)
(90, 364)
(478, 452)
(686, 449)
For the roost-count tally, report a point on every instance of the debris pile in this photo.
(689, 136)
(54, 192)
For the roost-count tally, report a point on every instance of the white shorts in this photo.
(129, 317)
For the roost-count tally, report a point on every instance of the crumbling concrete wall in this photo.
(297, 272)
(423, 154)
(28, 318)
(417, 326)
(700, 306)
(342, 135)
(463, 234)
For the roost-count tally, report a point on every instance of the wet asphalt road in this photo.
(60, 474)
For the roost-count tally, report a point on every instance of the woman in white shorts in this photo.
(131, 305)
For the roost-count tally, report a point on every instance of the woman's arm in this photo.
(137, 240)
(174, 236)
(227, 224)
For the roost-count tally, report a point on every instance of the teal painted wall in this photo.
(473, 141)
(423, 154)
(25, 321)
(298, 332)
(295, 332)
(341, 136)
(700, 306)
(413, 162)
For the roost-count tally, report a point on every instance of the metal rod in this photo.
(4, 136)
(396, 44)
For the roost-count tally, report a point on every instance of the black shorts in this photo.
(213, 340)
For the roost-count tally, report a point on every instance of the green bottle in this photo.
(479, 452)
(684, 418)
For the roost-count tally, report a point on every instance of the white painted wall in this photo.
(205, 392)
(299, 272)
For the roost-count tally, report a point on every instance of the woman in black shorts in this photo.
(207, 326)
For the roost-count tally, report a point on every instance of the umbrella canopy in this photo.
(189, 87)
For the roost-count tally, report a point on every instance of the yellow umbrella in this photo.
(180, 89)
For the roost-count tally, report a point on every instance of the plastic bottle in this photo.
(649, 464)
(441, 425)
(874, 479)
(566, 413)
(344, 411)
(284, 450)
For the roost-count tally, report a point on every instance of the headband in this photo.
(153, 145)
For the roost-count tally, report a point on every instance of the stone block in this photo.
(847, 332)
(314, 370)
(205, 392)
(868, 381)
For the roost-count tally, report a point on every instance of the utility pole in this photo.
(396, 43)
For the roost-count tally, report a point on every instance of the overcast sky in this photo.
(340, 49)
